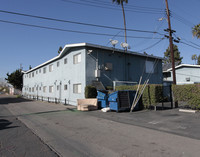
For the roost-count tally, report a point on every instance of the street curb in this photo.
(188, 111)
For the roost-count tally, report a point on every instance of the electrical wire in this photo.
(74, 22)
(112, 7)
(128, 6)
(189, 45)
(74, 31)
(152, 45)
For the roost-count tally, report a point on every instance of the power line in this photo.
(113, 8)
(73, 31)
(128, 6)
(182, 19)
(79, 23)
(152, 45)
(189, 45)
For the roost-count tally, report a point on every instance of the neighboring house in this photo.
(79, 65)
(185, 74)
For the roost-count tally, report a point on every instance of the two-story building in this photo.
(78, 65)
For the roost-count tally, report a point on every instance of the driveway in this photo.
(170, 121)
(72, 133)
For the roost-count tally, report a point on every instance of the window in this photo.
(40, 71)
(50, 89)
(29, 89)
(40, 88)
(150, 67)
(58, 63)
(51, 68)
(44, 89)
(36, 72)
(77, 58)
(65, 87)
(65, 61)
(58, 87)
(32, 74)
(77, 88)
(44, 70)
(32, 89)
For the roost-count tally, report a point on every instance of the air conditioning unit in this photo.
(108, 66)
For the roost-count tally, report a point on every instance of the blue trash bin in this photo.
(121, 100)
(102, 97)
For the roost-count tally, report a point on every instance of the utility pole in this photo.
(171, 42)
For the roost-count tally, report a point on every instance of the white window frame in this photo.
(65, 87)
(77, 58)
(50, 89)
(44, 89)
(150, 67)
(44, 70)
(77, 88)
(58, 64)
(65, 61)
(50, 67)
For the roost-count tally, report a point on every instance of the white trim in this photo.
(183, 65)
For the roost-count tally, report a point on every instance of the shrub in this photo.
(188, 94)
(90, 92)
(152, 94)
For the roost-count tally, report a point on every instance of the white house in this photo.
(185, 74)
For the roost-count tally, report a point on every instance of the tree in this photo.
(15, 79)
(198, 60)
(121, 2)
(177, 57)
(196, 31)
(60, 49)
(194, 57)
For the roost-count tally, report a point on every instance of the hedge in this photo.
(187, 93)
(90, 92)
(152, 95)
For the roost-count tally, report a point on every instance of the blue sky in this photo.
(33, 46)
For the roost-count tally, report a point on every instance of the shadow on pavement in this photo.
(4, 124)
(8, 100)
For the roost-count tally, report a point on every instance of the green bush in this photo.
(152, 94)
(90, 92)
(188, 94)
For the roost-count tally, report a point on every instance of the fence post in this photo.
(55, 100)
(170, 89)
(65, 101)
(48, 99)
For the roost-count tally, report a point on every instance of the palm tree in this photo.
(196, 31)
(195, 58)
(121, 2)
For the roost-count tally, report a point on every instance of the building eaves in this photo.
(67, 47)
(183, 65)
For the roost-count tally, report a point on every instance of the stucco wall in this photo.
(125, 67)
(183, 73)
(66, 74)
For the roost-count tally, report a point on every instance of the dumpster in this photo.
(121, 100)
(102, 97)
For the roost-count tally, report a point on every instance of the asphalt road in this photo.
(16, 140)
(72, 133)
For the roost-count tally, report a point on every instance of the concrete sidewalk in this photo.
(81, 134)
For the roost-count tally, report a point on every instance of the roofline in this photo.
(183, 65)
(68, 46)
